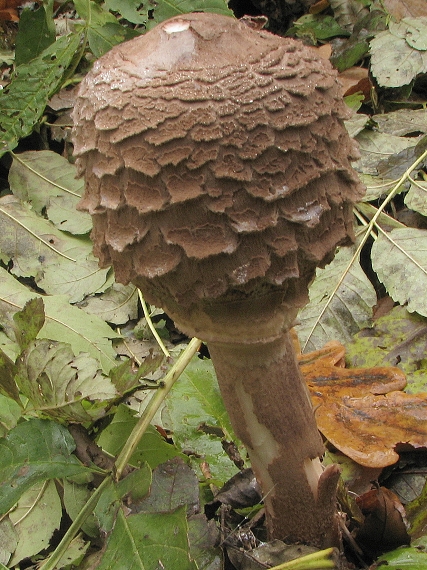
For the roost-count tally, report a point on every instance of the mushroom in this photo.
(218, 176)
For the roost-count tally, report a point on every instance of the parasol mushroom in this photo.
(218, 177)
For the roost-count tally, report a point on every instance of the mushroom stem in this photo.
(270, 409)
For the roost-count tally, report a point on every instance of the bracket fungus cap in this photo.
(218, 170)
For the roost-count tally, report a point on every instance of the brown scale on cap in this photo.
(218, 174)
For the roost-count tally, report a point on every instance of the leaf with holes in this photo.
(23, 101)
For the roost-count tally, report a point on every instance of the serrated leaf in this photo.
(196, 400)
(65, 323)
(117, 305)
(399, 258)
(63, 386)
(59, 262)
(36, 516)
(48, 181)
(103, 29)
(148, 542)
(103, 37)
(339, 317)
(132, 10)
(34, 451)
(36, 32)
(23, 101)
(164, 10)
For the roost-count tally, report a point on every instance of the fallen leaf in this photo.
(362, 411)
(355, 80)
(403, 8)
(384, 526)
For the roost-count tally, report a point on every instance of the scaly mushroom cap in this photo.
(217, 167)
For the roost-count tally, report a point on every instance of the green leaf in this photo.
(36, 32)
(167, 9)
(318, 26)
(75, 497)
(34, 451)
(148, 542)
(407, 558)
(414, 30)
(63, 386)
(132, 488)
(10, 412)
(64, 323)
(132, 10)
(339, 316)
(48, 182)
(23, 101)
(103, 37)
(125, 378)
(103, 29)
(29, 322)
(399, 258)
(152, 448)
(74, 554)
(195, 401)
(36, 516)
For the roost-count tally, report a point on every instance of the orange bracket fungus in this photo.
(218, 177)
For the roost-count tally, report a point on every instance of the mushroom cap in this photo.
(217, 166)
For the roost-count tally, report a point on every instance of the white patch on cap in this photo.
(176, 26)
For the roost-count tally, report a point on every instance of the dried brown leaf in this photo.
(362, 411)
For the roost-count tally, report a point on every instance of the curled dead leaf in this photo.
(363, 411)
